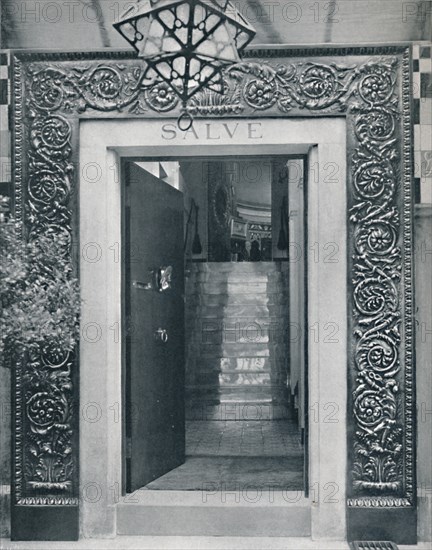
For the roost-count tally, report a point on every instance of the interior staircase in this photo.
(237, 341)
(236, 332)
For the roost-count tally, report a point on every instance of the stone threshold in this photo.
(180, 543)
(190, 543)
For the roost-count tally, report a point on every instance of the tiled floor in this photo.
(234, 473)
(271, 438)
(237, 455)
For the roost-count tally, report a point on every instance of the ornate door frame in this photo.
(370, 86)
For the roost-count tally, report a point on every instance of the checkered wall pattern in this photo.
(422, 122)
(5, 138)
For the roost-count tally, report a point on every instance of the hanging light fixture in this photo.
(187, 43)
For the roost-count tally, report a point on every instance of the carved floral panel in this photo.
(370, 87)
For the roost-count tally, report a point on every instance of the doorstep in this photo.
(216, 512)
(181, 543)
(190, 543)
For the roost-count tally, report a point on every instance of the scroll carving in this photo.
(367, 92)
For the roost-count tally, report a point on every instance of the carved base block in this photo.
(45, 523)
(396, 524)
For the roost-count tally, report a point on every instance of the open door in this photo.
(154, 281)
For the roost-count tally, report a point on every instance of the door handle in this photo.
(161, 335)
(160, 280)
(142, 286)
(145, 286)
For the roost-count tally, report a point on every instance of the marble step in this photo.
(240, 323)
(237, 411)
(207, 320)
(248, 328)
(237, 267)
(236, 364)
(242, 342)
(262, 405)
(213, 378)
(203, 334)
(242, 287)
(263, 299)
(239, 277)
(233, 379)
(242, 394)
(219, 311)
(210, 376)
(274, 350)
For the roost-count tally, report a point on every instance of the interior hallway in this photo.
(241, 431)
(238, 455)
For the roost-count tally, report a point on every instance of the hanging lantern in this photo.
(187, 42)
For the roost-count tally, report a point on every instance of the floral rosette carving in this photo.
(49, 410)
(103, 84)
(54, 357)
(374, 178)
(370, 409)
(378, 354)
(374, 296)
(102, 88)
(377, 125)
(315, 86)
(55, 133)
(319, 82)
(378, 445)
(50, 172)
(378, 238)
(44, 411)
(47, 90)
(260, 94)
(161, 97)
(376, 87)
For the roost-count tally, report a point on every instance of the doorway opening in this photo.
(215, 309)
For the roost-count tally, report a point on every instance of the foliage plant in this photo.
(39, 296)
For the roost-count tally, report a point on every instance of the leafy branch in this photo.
(39, 296)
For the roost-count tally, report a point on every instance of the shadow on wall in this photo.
(423, 278)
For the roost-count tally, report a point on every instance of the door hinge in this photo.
(128, 447)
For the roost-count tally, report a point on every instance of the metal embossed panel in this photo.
(368, 86)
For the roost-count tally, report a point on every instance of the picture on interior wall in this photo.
(215, 225)
(239, 228)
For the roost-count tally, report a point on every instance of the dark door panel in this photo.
(155, 367)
